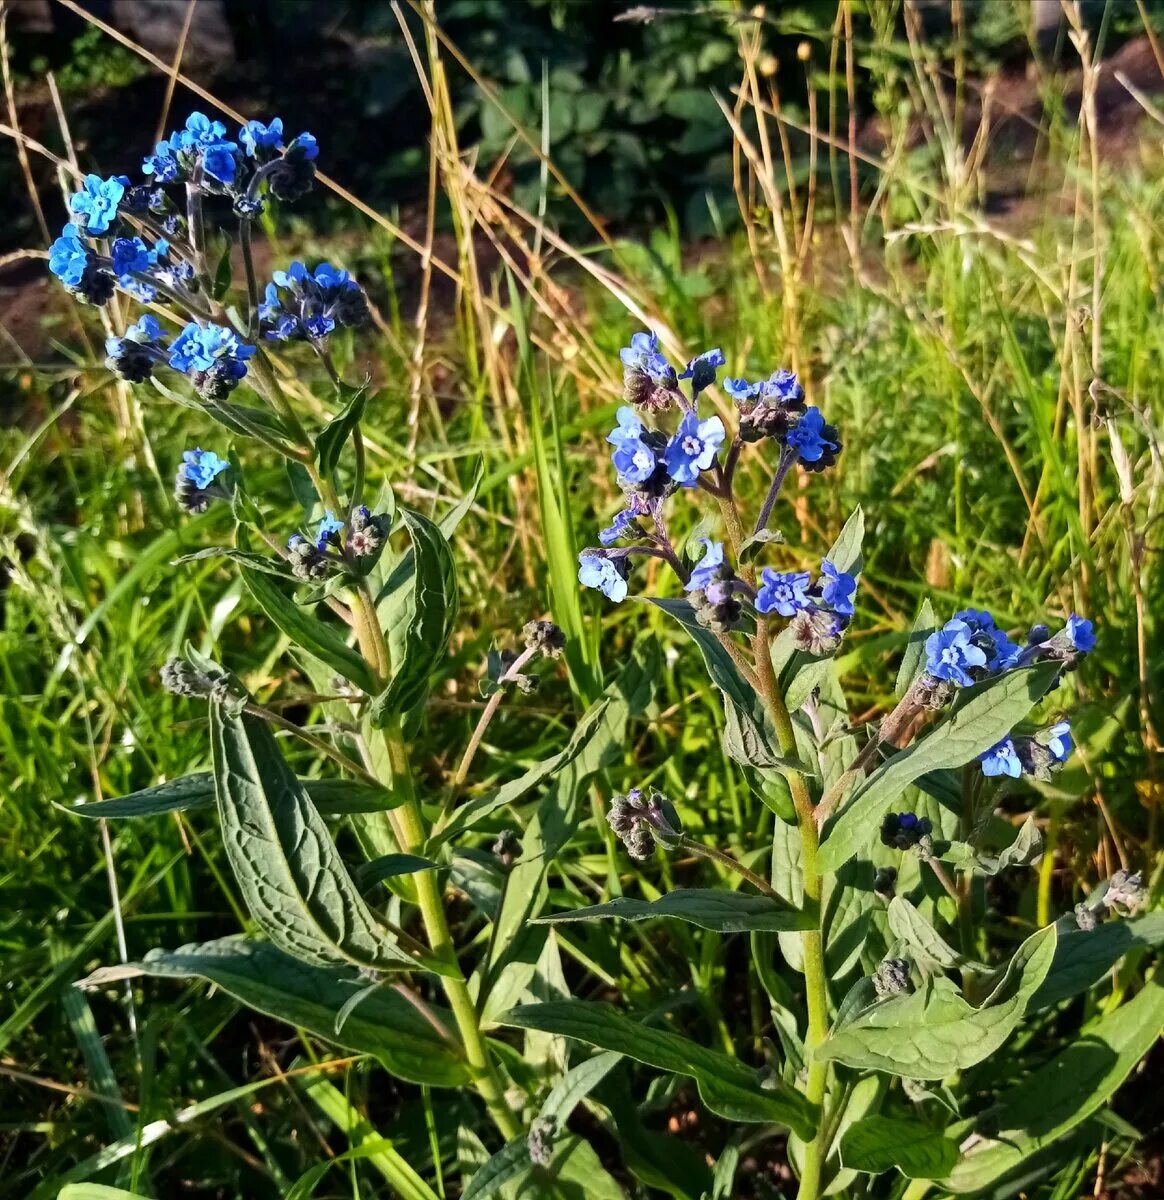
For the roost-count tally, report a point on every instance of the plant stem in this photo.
(948, 884)
(726, 860)
(786, 461)
(491, 707)
(325, 748)
(244, 237)
(815, 979)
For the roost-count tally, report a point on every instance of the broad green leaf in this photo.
(307, 631)
(727, 1086)
(330, 443)
(475, 811)
(866, 1097)
(264, 978)
(419, 643)
(845, 552)
(906, 923)
(989, 714)
(1083, 958)
(709, 908)
(877, 1144)
(334, 796)
(508, 1163)
(288, 868)
(1059, 1095)
(932, 1032)
(96, 1191)
(913, 657)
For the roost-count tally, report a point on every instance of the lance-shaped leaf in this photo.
(728, 1086)
(333, 796)
(1059, 1095)
(985, 718)
(914, 655)
(906, 923)
(423, 619)
(876, 1144)
(307, 631)
(932, 1032)
(264, 978)
(330, 443)
(709, 908)
(289, 870)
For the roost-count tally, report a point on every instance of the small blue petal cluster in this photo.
(820, 612)
(308, 305)
(1038, 754)
(774, 408)
(212, 356)
(134, 356)
(194, 487)
(971, 647)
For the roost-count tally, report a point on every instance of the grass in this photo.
(996, 380)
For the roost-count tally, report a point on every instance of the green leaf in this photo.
(288, 868)
(475, 811)
(96, 1191)
(1059, 1095)
(989, 713)
(388, 866)
(877, 1144)
(330, 443)
(302, 487)
(709, 908)
(246, 558)
(914, 655)
(727, 1086)
(1083, 958)
(332, 796)
(508, 1163)
(845, 553)
(906, 923)
(308, 632)
(419, 640)
(264, 978)
(222, 272)
(1026, 848)
(932, 1032)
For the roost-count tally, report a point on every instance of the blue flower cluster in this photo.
(308, 305)
(1034, 754)
(195, 487)
(971, 647)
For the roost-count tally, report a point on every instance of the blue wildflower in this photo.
(163, 164)
(330, 526)
(134, 355)
(202, 467)
(621, 525)
(1080, 633)
(950, 651)
(201, 347)
(707, 570)
(693, 448)
(903, 831)
(837, 589)
(740, 389)
(701, 369)
(68, 257)
(305, 146)
(1057, 739)
(130, 254)
(633, 459)
(200, 130)
(816, 443)
(97, 202)
(648, 378)
(1001, 759)
(317, 303)
(783, 592)
(219, 162)
(782, 386)
(607, 575)
(256, 136)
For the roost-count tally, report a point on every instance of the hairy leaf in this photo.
(914, 656)
(932, 1032)
(1061, 1094)
(979, 723)
(906, 923)
(288, 868)
(727, 1086)
(307, 631)
(876, 1144)
(330, 443)
(1084, 957)
(264, 978)
(709, 908)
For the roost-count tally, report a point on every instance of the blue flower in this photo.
(622, 523)
(642, 346)
(219, 162)
(305, 146)
(810, 437)
(202, 467)
(1080, 633)
(782, 386)
(701, 369)
(740, 389)
(200, 130)
(68, 257)
(330, 525)
(201, 347)
(949, 652)
(130, 254)
(145, 330)
(783, 592)
(704, 573)
(1002, 759)
(594, 571)
(1057, 739)
(633, 459)
(837, 588)
(1001, 653)
(162, 164)
(693, 448)
(254, 135)
(98, 200)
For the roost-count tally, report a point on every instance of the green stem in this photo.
(726, 860)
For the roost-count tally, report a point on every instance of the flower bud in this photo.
(1125, 892)
(544, 637)
(891, 978)
(307, 562)
(884, 882)
(540, 1141)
